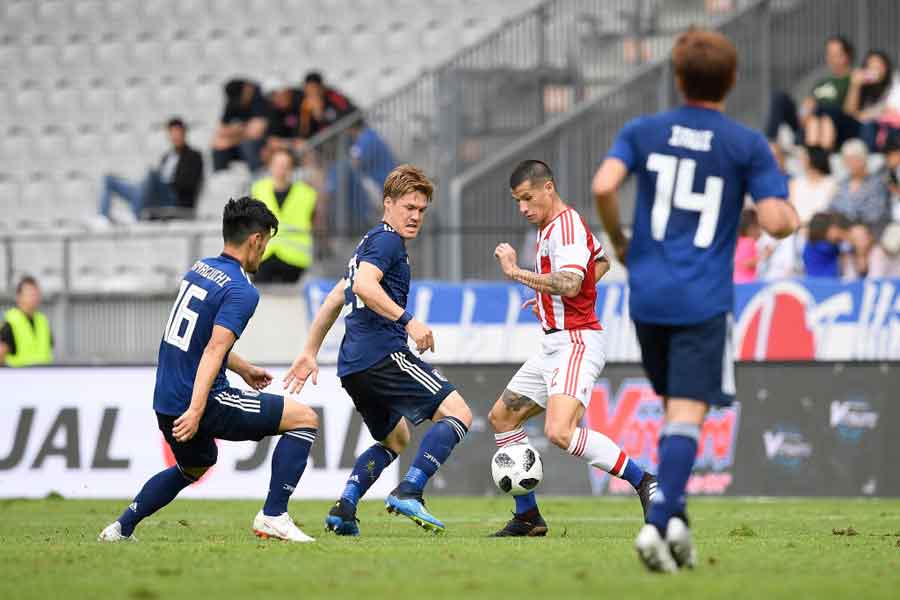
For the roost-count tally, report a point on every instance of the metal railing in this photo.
(538, 65)
(766, 34)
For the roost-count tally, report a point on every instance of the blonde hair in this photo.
(405, 179)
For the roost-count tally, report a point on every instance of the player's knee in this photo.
(298, 415)
(501, 420)
(559, 434)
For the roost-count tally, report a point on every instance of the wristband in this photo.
(404, 318)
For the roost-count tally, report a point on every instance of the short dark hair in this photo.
(846, 45)
(818, 226)
(176, 122)
(313, 77)
(705, 62)
(818, 158)
(530, 170)
(26, 280)
(244, 217)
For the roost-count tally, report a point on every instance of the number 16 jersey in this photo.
(694, 166)
(216, 291)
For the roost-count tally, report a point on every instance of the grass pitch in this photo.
(204, 550)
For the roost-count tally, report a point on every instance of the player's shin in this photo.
(601, 452)
(436, 447)
(159, 491)
(526, 502)
(676, 460)
(288, 464)
(366, 471)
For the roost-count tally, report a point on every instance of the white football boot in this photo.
(654, 551)
(113, 533)
(281, 527)
(678, 537)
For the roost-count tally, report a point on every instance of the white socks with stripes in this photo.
(508, 438)
(592, 446)
(598, 450)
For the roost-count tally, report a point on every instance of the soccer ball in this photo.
(517, 469)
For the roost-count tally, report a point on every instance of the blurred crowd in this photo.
(267, 128)
(841, 152)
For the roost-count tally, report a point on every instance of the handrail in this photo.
(586, 106)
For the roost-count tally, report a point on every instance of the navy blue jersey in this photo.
(369, 337)
(694, 167)
(216, 291)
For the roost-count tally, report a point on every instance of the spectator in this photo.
(862, 197)
(892, 164)
(643, 21)
(885, 258)
(745, 256)
(25, 337)
(823, 246)
(321, 106)
(290, 252)
(283, 119)
(826, 99)
(814, 189)
(874, 99)
(175, 183)
(241, 132)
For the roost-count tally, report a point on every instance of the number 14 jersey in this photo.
(694, 166)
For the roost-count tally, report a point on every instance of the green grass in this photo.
(205, 550)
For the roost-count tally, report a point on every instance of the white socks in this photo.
(508, 438)
(598, 450)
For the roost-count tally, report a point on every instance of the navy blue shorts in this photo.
(401, 385)
(232, 414)
(690, 361)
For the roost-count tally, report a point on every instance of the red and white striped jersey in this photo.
(566, 244)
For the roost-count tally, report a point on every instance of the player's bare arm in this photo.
(367, 286)
(558, 283)
(777, 217)
(4, 350)
(256, 377)
(185, 426)
(601, 268)
(305, 365)
(607, 180)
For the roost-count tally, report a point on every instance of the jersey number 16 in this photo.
(182, 317)
(675, 187)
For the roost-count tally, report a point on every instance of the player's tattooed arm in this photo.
(558, 283)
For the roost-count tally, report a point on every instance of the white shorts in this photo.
(569, 363)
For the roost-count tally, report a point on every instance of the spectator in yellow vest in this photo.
(289, 254)
(25, 338)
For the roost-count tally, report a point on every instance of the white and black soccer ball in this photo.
(517, 469)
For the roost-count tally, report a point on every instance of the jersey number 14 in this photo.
(675, 187)
(183, 320)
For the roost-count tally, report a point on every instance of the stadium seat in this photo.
(52, 13)
(183, 50)
(111, 54)
(41, 258)
(97, 97)
(64, 99)
(51, 142)
(11, 54)
(77, 198)
(88, 12)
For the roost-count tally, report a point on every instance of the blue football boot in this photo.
(342, 519)
(412, 506)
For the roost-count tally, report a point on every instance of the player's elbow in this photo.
(602, 188)
(777, 217)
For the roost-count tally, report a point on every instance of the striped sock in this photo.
(601, 452)
(288, 464)
(436, 447)
(525, 502)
